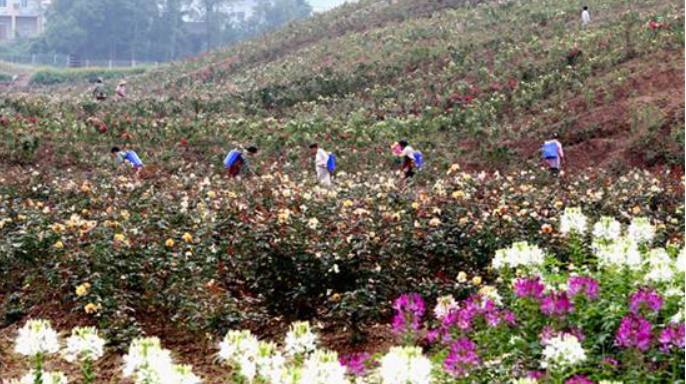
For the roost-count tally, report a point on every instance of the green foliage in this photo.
(80, 75)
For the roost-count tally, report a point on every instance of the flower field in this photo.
(483, 268)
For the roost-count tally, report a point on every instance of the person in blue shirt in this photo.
(127, 156)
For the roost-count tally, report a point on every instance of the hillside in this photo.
(181, 251)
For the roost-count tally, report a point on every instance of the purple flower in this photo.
(357, 363)
(672, 336)
(609, 361)
(463, 317)
(634, 332)
(645, 298)
(579, 379)
(583, 285)
(509, 318)
(462, 357)
(556, 304)
(535, 375)
(529, 287)
(548, 333)
(409, 311)
(576, 332)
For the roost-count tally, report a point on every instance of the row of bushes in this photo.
(61, 76)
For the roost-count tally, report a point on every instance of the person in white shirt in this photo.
(585, 17)
(321, 158)
(407, 155)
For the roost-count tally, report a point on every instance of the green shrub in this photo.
(5, 77)
(60, 76)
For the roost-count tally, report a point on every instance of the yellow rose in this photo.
(187, 237)
(415, 205)
(83, 289)
(169, 243)
(435, 222)
(119, 238)
(91, 308)
(461, 277)
(476, 280)
(559, 204)
(636, 210)
(59, 245)
(458, 194)
(347, 203)
(211, 194)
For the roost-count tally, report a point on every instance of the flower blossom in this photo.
(36, 336)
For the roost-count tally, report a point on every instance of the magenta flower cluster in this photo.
(645, 299)
(672, 337)
(529, 287)
(409, 309)
(357, 363)
(462, 357)
(556, 304)
(578, 285)
(634, 332)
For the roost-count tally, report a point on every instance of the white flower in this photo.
(607, 229)
(562, 351)
(270, 362)
(573, 221)
(147, 360)
(313, 223)
(84, 343)
(524, 381)
(659, 266)
(47, 378)
(520, 254)
(620, 254)
(405, 365)
(681, 262)
(240, 348)
(610, 382)
(323, 368)
(184, 375)
(300, 339)
(37, 336)
(444, 306)
(641, 230)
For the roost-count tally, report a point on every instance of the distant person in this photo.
(100, 93)
(553, 154)
(121, 90)
(411, 159)
(324, 164)
(585, 17)
(127, 156)
(573, 55)
(236, 162)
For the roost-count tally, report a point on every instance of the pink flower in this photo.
(357, 363)
(583, 285)
(409, 311)
(645, 298)
(579, 379)
(529, 287)
(462, 357)
(634, 332)
(557, 304)
(672, 336)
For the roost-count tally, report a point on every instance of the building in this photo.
(21, 18)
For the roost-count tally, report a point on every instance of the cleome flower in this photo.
(607, 229)
(323, 367)
(519, 255)
(641, 231)
(37, 336)
(300, 340)
(561, 352)
(573, 221)
(84, 344)
(405, 365)
(46, 378)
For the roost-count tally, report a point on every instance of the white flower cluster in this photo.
(659, 267)
(84, 344)
(524, 381)
(251, 357)
(323, 368)
(607, 229)
(519, 255)
(149, 363)
(405, 365)
(46, 378)
(562, 351)
(641, 231)
(621, 253)
(444, 305)
(573, 221)
(37, 336)
(300, 339)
